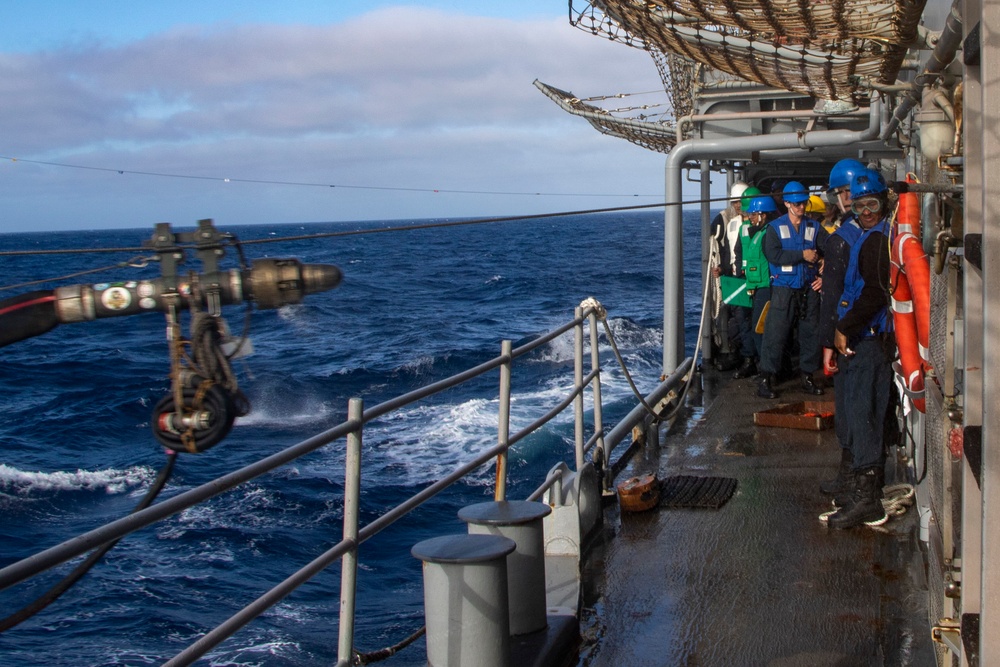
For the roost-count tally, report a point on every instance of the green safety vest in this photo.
(755, 265)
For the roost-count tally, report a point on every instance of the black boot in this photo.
(747, 370)
(845, 496)
(867, 505)
(809, 386)
(837, 485)
(764, 389)
(727, 362)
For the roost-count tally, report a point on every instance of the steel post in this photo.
(503, 422)
(349, 563)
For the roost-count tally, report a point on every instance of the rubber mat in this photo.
(691, 491)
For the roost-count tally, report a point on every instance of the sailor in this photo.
(777, 187)
(741, 313)
(725, 235)
(836, 254)
(791, 246)
(816, 209)
(863, 339)
(758, 277)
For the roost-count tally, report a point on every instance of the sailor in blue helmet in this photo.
(791, 246)
(864, 340)
(836, 254)
(758, 276)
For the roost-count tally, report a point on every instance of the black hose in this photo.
(27, 315)
(215, 404)
(67, 582)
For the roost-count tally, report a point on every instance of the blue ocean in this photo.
(415, 306)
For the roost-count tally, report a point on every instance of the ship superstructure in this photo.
(761, 91)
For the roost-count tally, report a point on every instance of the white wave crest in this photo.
(111, 481)
(628, 334)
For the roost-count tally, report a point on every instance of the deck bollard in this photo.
(521, 521)
(465, 599)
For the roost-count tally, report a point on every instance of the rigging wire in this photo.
(400, 228)
(322, 235)
(255, 181)
(67, 582)
(135, 263)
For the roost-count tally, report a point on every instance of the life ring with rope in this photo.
(910, 303)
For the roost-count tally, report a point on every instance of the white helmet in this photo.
(737, 190)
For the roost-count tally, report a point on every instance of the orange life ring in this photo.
(910, 281)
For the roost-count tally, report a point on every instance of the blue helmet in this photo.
(764, 204)
(794, 192)
(868, 182)
(843, 173)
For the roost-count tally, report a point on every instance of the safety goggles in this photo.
(869, 205)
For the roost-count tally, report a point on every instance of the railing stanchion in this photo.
(349, 564)
(578, 384)
(503, 421)
(595, 365)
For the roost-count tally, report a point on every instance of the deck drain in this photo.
(691, 491)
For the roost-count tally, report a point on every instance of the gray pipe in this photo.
(738, 148)
(944, 53)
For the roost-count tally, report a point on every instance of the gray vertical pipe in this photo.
(732, 148)
(349, 564)
(706, 245)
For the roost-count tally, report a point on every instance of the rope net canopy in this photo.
(822, 48)
(655, 132)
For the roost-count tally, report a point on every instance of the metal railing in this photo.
(353, 429)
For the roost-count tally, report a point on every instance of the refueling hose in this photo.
(27, 315)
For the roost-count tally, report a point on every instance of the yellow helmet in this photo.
(815, 204)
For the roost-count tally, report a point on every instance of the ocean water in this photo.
(415, 306)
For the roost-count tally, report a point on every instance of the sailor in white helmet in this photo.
(725, 231)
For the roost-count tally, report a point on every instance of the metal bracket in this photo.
(948, 632)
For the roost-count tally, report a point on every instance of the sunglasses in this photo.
(866, 206)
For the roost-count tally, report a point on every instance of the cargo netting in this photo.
(823, 48)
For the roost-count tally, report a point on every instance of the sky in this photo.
(122, 114)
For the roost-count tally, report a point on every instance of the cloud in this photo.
(396, 97)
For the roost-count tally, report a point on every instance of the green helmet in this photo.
(748, 195)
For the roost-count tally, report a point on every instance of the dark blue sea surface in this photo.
(415, 306)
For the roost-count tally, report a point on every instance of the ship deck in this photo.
(759, 581)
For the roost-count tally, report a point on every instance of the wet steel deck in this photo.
(760, 581)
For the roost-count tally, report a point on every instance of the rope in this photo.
(602, 315)
(389, 651)
(714, 261)
(895, 499)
